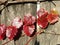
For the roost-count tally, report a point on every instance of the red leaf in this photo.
(42, 22)
(28, 30)
(17, 22)
(11, 32)
(42, 13)
(52, 18)
(29, 19)
(2, 31)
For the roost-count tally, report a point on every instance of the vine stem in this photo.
(6, 42)
(12, 39)
(23, 36)
(41, 31)
(34, 36)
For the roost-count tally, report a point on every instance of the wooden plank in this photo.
(57, 26)
(49, 39)
(8, 15)
(0, 23)
(19, 13)
(7, 19)
(24, 9)
(44, 39)
(3, 21)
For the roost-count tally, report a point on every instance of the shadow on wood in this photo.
(37, 43)
(58, 44)
(18, 35)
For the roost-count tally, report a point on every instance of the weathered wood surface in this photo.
(12, 11)
(49, 39)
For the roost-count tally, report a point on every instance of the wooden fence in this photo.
(13, 10)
